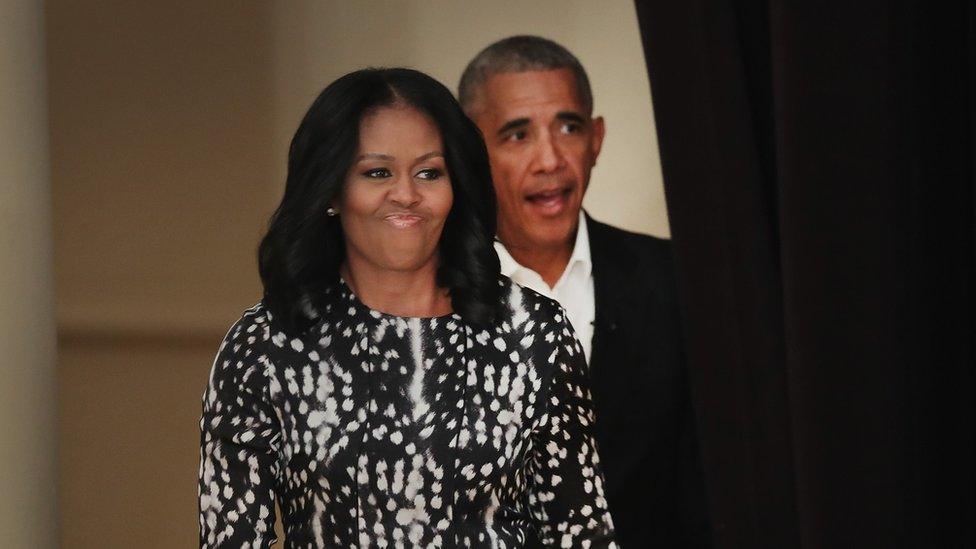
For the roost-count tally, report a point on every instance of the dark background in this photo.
(818, 165)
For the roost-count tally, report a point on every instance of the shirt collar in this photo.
(580, 257)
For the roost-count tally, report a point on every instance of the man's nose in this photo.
(404, 192)
(548, 156)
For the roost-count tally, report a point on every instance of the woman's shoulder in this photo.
(257, 327)
(254, 318)
(534, 319)
(538, 329)
(528, 304)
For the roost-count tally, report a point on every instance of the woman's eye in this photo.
(430, 173)
(377, 173)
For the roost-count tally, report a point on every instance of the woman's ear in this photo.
(333, 207)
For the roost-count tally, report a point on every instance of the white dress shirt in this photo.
(573, 290)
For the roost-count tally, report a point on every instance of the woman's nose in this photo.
(404, 192)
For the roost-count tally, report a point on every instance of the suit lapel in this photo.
(609, 289)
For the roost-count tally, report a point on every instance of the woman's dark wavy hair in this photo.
(300, 255)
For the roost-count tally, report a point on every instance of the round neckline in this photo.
(346, 292)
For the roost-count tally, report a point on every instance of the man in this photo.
(532, 101)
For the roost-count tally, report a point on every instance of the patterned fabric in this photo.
(574, 289)
(376, 430)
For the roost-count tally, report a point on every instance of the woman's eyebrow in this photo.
(377, 156)
(428, 156)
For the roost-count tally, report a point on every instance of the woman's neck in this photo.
(398, 293)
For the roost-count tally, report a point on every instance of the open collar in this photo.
(579, 259)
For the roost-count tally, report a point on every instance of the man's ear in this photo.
(596, 141)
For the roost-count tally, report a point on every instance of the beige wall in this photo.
(28, 434)
(163, 177)
(169, 126)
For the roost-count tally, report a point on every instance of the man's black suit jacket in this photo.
(645, 425)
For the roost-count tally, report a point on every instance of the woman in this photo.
(391, 388)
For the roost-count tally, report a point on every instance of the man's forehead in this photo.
(529, 94)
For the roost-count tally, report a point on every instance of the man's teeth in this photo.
(547, 196)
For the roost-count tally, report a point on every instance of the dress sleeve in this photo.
(566, 487)
(239, 444)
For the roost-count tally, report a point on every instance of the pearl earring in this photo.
(331, 212)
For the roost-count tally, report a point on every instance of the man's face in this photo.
(542, 143)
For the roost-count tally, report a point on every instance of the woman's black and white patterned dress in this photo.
(376, 430)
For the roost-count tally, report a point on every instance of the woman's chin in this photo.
(404, 262)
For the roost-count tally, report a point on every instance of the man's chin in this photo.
(555, 236)
(539, 233)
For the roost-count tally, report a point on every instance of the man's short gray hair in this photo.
(520, 54)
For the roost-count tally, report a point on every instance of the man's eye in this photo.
(430, 173)
(377, 173)
(518, 135)
(571, 127)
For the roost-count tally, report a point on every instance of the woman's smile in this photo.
(397, 194)
(403, 220)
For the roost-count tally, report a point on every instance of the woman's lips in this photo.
(550, 202)
(403, 221)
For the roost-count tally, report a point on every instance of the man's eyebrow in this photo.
(570, 116)
(512, 124)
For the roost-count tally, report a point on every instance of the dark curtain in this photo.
(819, 166)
